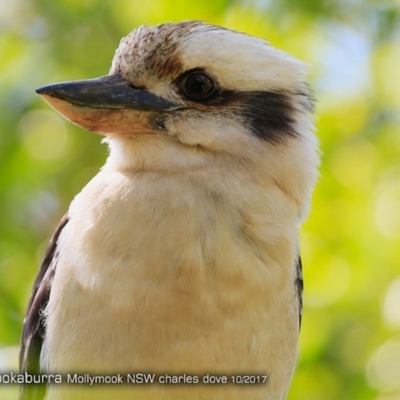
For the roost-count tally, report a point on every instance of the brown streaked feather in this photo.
(34, 325)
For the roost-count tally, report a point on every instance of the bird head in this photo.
(187, 95)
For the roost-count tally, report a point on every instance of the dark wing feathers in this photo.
(34, 324)
(299, 287)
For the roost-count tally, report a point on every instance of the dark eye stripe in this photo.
(271, 115)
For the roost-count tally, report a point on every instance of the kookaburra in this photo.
(181, 255)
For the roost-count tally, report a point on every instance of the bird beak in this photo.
(109, 104)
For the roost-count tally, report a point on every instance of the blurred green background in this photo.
(350, 339)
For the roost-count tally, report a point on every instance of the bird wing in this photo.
(299, 287)
(34, 323)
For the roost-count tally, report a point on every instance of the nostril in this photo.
(159, 124)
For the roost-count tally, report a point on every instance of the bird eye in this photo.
(197, 85)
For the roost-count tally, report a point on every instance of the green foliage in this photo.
(350, 340)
